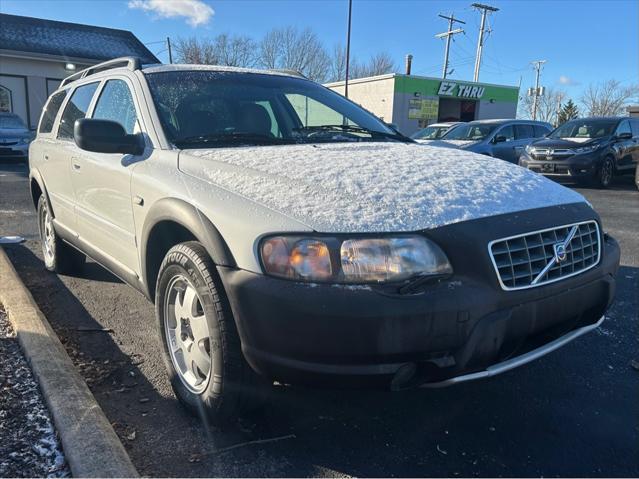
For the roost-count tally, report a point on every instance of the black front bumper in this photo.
(577, 166)
(354, 335)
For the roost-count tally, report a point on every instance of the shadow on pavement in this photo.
(544, 418)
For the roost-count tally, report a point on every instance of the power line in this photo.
(448, 35)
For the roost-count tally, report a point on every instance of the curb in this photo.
(90, 445)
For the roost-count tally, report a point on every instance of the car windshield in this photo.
(211, 108)
(430, 133)
(11, 122)
(470, 132)
(584, 129)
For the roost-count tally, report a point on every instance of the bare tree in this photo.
(235, 51)
(548, 106)
(379, 64)
(192, 50)
(608, 98)
(290, 48)
(337, 69)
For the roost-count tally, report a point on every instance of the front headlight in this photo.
(23, 141)
(586, 149)
(356, 260)
(529, 149)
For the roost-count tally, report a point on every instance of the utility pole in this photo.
(560, 98)
(536, 93)
(448, 35)
(348, 46)
(168, 46)
(485, 9)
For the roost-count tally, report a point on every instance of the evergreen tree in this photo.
(568, 112)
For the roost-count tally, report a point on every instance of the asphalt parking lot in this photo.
(572, 413)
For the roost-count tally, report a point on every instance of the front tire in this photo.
(58, 256)
(202, 348)
(605, 174)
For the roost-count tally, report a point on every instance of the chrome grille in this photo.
(520, 260)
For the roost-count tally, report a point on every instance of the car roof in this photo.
(157, 68)
(443, 123)
(499, 121)
(600, 118)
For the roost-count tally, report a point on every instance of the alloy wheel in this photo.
(47, 235)
(187, 334)
(606, 172)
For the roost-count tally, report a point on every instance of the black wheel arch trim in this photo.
(193, 220)
(35, 175)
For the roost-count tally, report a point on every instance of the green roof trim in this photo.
(430, 87)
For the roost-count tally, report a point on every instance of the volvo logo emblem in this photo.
(560, 252)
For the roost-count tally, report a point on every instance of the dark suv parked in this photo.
(591, 149)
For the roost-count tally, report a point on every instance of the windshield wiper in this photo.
(353, 129)
(234, 138)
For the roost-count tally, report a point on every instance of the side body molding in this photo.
(190, 218)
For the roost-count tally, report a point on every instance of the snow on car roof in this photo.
(376, 187)
(216, 68)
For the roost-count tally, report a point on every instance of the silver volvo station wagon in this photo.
(286, 234)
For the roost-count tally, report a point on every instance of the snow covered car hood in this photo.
(378, 187)
(453, 143)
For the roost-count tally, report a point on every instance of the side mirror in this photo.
(499, 139)
(105, 136)
(624, 136)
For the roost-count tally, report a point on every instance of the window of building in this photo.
(51, 111)
(116, 104)
(6, 102)
(76, 108)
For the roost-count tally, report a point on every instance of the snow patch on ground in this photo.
(29, 446)
(355, 187)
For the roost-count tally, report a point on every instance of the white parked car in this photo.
(283, 231)
(434, 132)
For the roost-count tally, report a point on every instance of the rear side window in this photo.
(116, 104)
(540, 131)
(51, 111)
(523, 132)
(76, 108)
(635, 127)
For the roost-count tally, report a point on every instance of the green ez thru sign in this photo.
(449, 88)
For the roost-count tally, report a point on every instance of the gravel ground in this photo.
(29, 446)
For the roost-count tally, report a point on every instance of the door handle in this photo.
(75, 164)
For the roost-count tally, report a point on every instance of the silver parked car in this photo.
(434, 132)
(283, 232)
(504, 139)
(14, 136)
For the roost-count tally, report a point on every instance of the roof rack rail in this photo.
(289, 71)
(132, 63)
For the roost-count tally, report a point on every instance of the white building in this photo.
(36, 54)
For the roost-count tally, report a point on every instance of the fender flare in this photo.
(35, 175)
(192, 219)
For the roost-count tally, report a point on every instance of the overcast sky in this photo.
(583, 41)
